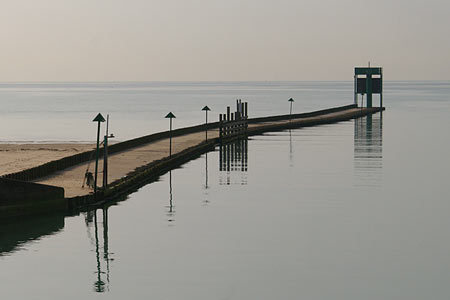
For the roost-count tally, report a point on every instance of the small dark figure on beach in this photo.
(89, 177)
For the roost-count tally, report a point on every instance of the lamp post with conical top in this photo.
(99, 118)
(170, 116)
(290, 110)
(206, 109)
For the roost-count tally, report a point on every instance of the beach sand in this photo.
(18, 157)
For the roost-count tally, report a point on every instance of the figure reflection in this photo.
(368, 150)
(103, 261)
(233, 157)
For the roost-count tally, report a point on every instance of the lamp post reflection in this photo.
(99, 285)
(206, 201)
(291, 151)
(102, 281)
(171, 212)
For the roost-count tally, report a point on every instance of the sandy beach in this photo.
(18, 157)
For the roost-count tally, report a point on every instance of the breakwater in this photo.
(150, 171)
(73, 160)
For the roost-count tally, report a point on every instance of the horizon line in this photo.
(206, 81)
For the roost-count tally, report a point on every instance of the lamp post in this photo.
(290, 110)
(105, 154)
(206, 109)
(99, 119)
(170, 116)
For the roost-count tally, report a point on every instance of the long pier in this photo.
(136, 162)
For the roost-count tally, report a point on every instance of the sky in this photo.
(228, 40)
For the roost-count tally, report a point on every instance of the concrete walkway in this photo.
(122, 163)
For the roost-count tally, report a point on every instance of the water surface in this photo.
(354, 210)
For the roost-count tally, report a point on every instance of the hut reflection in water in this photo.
(368, 150)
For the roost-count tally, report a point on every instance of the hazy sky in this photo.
(103, 40)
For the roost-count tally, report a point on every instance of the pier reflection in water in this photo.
(233, 158)
(103, 259)
(15, 234)
(368, 150)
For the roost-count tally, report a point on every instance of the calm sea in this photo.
(354, 210)
(53, 112)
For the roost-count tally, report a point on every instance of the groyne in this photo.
(73, 160)
(150, 171)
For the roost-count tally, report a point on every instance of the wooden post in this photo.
(246, 114)
(105, 162)
(220, 126)
(232, 124)
(227, 127)
(105, 155)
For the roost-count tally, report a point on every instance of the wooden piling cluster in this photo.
(236, 123)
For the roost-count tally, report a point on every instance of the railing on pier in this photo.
(236, 123)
